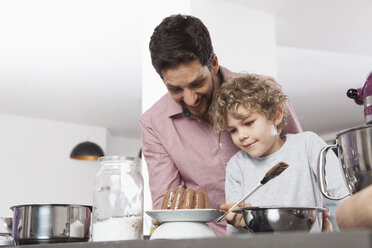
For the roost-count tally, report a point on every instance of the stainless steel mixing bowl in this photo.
(354, 148)
(280, 219)
(51, 223)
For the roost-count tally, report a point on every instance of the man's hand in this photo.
(327, 225)
(232, 218)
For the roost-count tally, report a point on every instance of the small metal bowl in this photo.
(279, 219)
(6, 225)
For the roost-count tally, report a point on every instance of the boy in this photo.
(253, 111)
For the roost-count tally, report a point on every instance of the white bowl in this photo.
(183, 230)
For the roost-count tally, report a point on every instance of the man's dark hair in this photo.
(180, 39)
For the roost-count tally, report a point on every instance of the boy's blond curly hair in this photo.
(255, 93)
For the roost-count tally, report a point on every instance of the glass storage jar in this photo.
(118, 199)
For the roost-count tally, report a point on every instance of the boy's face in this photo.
(255, 134)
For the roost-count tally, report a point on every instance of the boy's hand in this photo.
(232, 218)
(156, 223)
(327, 226)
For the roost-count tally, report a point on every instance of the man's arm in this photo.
(163, 174)
(356, 211)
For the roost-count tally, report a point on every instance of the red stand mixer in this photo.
(354, 147)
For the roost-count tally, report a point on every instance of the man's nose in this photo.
(189, 97)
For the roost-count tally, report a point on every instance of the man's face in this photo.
(192, 86)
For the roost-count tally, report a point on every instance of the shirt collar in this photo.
(173, 108)
(227, 74)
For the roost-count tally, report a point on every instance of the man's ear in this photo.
(278, 116)
(215, 64)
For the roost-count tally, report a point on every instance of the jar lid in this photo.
(118, 159)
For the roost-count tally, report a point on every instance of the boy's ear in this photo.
(278, 116)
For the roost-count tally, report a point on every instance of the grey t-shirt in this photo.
(296, 186)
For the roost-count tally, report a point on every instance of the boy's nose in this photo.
(243, 135)
(189, 97)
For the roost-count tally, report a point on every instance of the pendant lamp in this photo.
(87, 151)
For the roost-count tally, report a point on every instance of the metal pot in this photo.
(354, 147)
(51, 223)
(280, 219)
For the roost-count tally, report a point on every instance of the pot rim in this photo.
(304, 208)
(353, 129)
(51, 205)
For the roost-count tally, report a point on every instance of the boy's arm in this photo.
(233, 193)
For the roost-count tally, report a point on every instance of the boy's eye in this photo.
(249, 123)
(232, 130)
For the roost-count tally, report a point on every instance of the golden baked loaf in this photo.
(185, 199)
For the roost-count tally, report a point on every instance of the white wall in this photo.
(301, 71)
(118, 145)
(35, 166)
(243, 38)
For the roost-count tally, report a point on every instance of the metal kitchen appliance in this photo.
(354, 147)
(363, 96)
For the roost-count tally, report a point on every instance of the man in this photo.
(179, 144)
(356, 211)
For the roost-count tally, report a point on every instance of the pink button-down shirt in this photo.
(184, 152)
